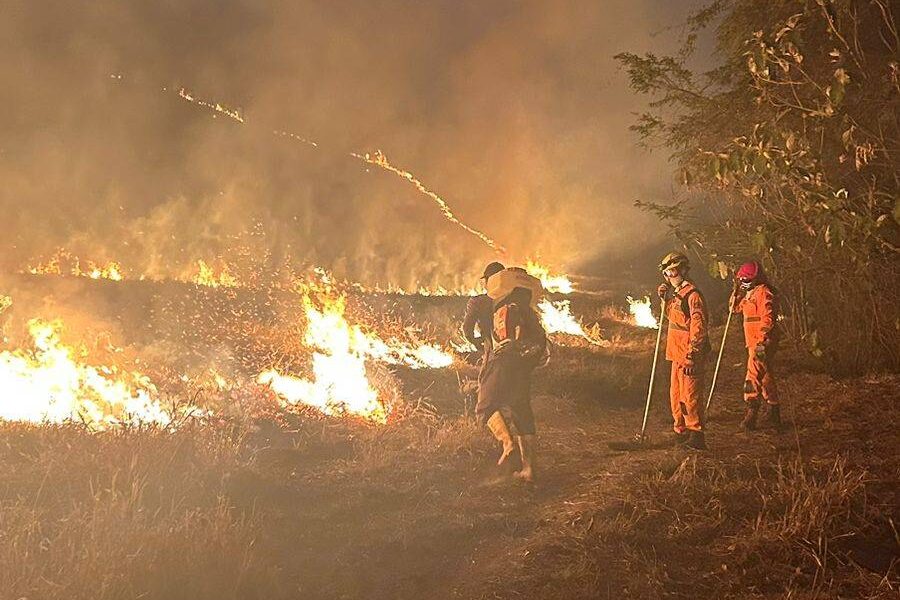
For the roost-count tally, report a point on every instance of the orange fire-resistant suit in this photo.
(687, 344)
(760, 310)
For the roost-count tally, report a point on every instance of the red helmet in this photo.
(749, 271)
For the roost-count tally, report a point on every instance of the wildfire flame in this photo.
(642, 312)
(207, 276)
(295, 137)
(64, 263)
(557, 317)
(339, 385)
(559, 284)
(48, 384)
(340, 350)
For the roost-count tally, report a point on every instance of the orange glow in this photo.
(559, 284)
(49, 383)
(340, 385)
(207, 276)
(642, 312)
(378, 159)
(64, 263)
(557, 317)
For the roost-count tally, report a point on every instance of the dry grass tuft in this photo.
(124, 515)
(701, 528)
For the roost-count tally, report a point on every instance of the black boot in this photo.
(697, 440)
(749, 422)
(772, 416)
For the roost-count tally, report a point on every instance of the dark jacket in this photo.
(505, 379)
(479, 311)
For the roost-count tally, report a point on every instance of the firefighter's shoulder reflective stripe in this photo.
(752, 319)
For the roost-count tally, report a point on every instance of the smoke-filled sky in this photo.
(514, 111)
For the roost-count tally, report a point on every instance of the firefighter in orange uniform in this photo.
(755, 299)
(687, 345)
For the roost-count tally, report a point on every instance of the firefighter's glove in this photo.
(734, 300)
(661, 290)
(760, 351)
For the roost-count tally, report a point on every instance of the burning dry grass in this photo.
(273, 501)
(316, 506)
(63, 262)
(51, 383)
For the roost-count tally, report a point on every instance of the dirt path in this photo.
(585, 483)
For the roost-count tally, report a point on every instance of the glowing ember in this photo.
(557, 318)
(207, 276)
(463, 347)
(378, 159)
(111, 270)
(294, 136)
(221, 109)
(64, 263)
(642, 312)
(49, 384)
(559, 284)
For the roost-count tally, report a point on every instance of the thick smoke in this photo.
(514, 112)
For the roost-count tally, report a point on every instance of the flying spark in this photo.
(231, 113)
(377, 159)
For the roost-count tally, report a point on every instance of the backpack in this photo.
(501, 285)
(507, 323)
(706, 348)
(514, 322)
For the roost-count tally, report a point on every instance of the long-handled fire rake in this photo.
(712, 386)
(641, 438)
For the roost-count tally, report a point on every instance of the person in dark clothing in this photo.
(480, 313)
(519, 346)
